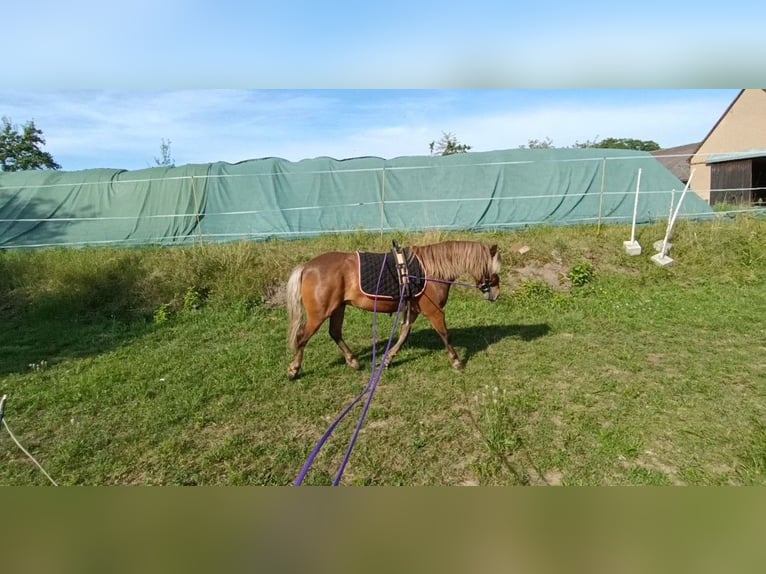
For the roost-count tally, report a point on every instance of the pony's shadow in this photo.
(467, 341)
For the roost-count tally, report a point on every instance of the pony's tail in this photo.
(294, 307)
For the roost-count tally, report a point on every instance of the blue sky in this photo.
(234, 80)
(392, 44)
(124, 128)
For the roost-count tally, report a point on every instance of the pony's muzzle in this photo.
(490, 288)
(492, 294)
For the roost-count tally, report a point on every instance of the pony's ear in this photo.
(492, 250)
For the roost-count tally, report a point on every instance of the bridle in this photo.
(488, 282)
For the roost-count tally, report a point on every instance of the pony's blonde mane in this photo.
(451, 259)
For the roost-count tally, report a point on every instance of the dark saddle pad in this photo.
(369, 268)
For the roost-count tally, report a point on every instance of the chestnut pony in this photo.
(324, 286)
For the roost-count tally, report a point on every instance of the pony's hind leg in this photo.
(313, 322)
(336, 332)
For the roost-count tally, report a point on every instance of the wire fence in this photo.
(521, 209)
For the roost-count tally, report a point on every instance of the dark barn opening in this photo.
(759, 181)
(739, 182)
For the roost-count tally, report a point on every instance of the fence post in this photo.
(382, 200)
(601, 195)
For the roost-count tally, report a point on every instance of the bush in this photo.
(533, 289)
(581, 274)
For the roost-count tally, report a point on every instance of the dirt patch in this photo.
(553, 273)
(652, 461)
(607, 268)
(275, 296)
(550, 477)
(13, 301)
(553, 478)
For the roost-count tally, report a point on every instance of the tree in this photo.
(20, 150)
(547, 143)
(165, 160)
(607, 143)
(621, 143)
(447, 145)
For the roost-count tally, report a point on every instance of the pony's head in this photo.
(489, 282)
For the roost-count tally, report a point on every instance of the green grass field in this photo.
(168, 366)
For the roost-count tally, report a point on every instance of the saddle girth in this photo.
(382, 275)
(402, 270)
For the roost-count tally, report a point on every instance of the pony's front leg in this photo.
(404, 332)
(435, 316)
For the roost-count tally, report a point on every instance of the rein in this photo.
(377, 373)
(484, 287)
(371, 386)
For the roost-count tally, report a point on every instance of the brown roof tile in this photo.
(676, 159)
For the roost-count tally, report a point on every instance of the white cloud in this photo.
(87, 129)
(669, 124)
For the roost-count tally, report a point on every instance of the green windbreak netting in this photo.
(272, 197)
(275, 197)
(101, 206)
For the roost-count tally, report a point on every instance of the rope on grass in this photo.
(372, 385)
(2, 418)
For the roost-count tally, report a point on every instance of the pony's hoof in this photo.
(354, 364)
(292, 373)
(458, 365)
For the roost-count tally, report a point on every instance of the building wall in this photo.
(742, 128)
